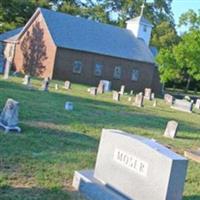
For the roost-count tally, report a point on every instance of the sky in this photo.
(181, 6)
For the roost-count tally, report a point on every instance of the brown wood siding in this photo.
(36, 50)
(63, 69)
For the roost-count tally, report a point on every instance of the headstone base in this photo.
(91, 188)
(193, 155)
(7, 128)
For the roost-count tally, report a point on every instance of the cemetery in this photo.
(99, 100)
(80, 145)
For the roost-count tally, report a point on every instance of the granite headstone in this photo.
(100, 88)
(197, 104)
(116, 96)
(67, 85)
(168, 99)
(139, 100)
(132, 167)
(93, 91)
(147, 93)
(171, 129)
(9, 116)
(182, 105)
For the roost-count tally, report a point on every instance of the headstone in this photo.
(93, 91)
(69, 106)
(45, 84)
(116, 96)
(155, 103)
(182, 105)
(56, 86)
(122, 89)
(168, 99)
(193, 155)
(132, 167)
(100, 89)
(152, 96)
(130, 99)
(131, 92)
(171, 129)
(67, 85)
(197, 104)
(27, 80)
(107, 85)
(147, 93)
(9, 116)
(139, 100)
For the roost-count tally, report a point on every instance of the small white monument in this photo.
(9, 116)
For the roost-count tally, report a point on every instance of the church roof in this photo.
(9, 34)
(87, 35)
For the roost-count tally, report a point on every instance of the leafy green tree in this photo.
(182, 61)
(169, 71)
(165, 35)
(190, 19)
(187, 55)
(15, 13)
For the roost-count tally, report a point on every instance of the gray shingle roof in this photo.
(86, 35)
(9, 34)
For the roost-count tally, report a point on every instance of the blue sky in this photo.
(181, 6)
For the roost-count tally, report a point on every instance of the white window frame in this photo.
(135, 75)
(77, 63)
(98, 72)
(117, 74)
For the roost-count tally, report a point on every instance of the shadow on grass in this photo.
(193, 197)
(35, 193)
(49, 108)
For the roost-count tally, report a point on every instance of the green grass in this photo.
(39, 163)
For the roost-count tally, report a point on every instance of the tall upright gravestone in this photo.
(147, 93)
(139, 100)
(116, 96)
(132, 167)
(171, 129)
(100, 88)
(197, 104)
(9, 116)
(45, 84)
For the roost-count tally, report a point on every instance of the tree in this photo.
(165, 35)
(187, 55)
(182, 61)
(190, 19)
(15, 13)
(169, 71)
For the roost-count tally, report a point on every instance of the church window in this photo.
(77, 66)
(98, 69)
(117, 72)
(135, 75)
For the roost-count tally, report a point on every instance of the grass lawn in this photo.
(39, 163)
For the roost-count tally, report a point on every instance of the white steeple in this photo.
(140, 27)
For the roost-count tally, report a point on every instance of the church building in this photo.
(65, 47)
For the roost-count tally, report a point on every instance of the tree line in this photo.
(174, 49)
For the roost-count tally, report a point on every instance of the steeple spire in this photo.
(142, 9)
